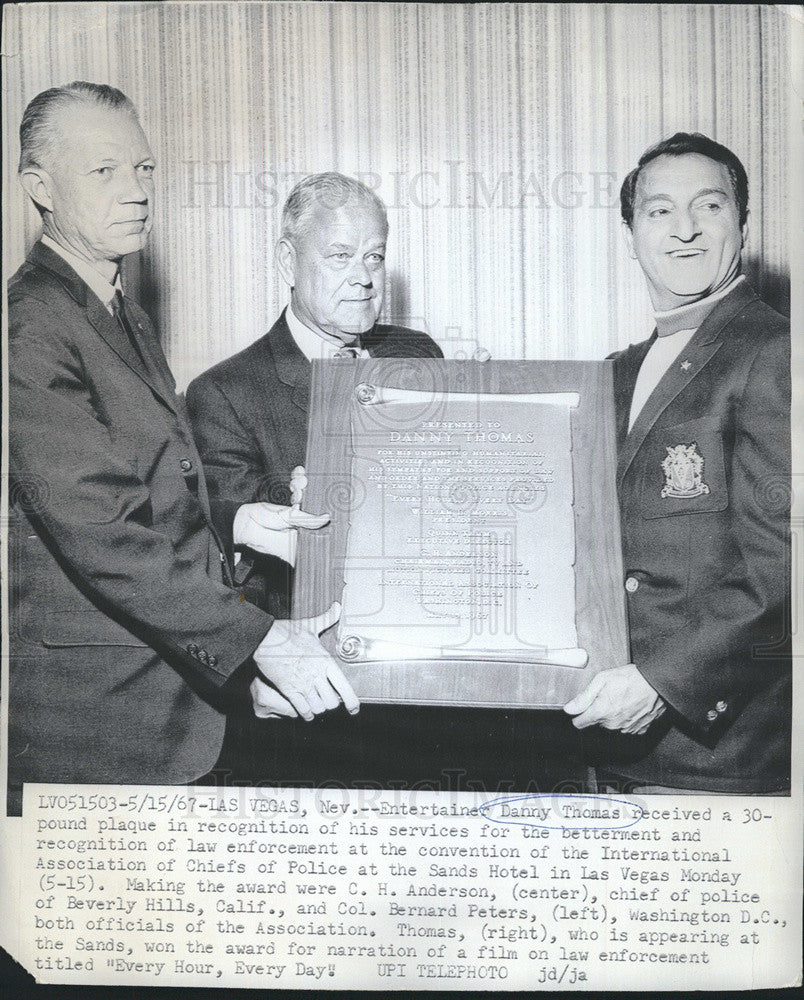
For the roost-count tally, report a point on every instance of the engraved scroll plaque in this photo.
(474, 543)
(474, 506)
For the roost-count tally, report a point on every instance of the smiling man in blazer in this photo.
(703, 412)
(125, 629)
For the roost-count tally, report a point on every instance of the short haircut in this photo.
(37, 131)
(678, 145)
(329, 189)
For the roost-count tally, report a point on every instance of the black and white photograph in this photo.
(397, 399)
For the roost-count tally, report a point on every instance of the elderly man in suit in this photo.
(249, 412)
(250, 416)
(704, 467)
(125, 627)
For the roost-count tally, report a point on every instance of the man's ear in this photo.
(286, 261)
(744, 231)
(37, 184)
(628, 236)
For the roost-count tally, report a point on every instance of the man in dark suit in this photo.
(704, 479)
(250, 420)
(249, 416)
(125, 629)
(249, 412)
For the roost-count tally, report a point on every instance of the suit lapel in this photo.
(674, 381)
(625, 375)
(102, 321)
(704, 344)
(150, 341)
(107, 328)
(378, 346)
(291, 366)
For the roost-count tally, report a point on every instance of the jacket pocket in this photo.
(684, 470)
(46, 607)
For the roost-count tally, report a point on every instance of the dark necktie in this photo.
(120, 314)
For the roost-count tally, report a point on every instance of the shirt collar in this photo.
(690, 316)
(312, 345)
(104, 289)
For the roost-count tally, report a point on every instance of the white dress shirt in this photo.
(314, 345)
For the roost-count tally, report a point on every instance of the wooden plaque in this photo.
(366, 441)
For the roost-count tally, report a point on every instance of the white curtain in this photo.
(498, 136)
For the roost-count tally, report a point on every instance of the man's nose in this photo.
(360, 274)
(686, 226)
(133, 188)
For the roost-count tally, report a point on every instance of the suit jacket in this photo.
(123, 628)
(707, 559)
(249, 416)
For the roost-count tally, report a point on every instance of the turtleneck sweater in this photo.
(675, 329)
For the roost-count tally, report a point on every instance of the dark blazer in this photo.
(123, 628)
(707, 572)
(249, 416)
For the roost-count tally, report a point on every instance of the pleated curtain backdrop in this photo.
(498, 136)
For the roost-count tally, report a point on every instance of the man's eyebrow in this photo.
(655, 197)
(707, 191)
(93, 164)
(698, 194)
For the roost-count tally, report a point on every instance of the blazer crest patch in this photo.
(683, 472)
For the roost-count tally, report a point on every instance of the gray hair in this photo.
(332, 190)
(37, 130)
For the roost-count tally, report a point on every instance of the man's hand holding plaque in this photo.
(272, 529)
(297, 676)
(619, 698)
